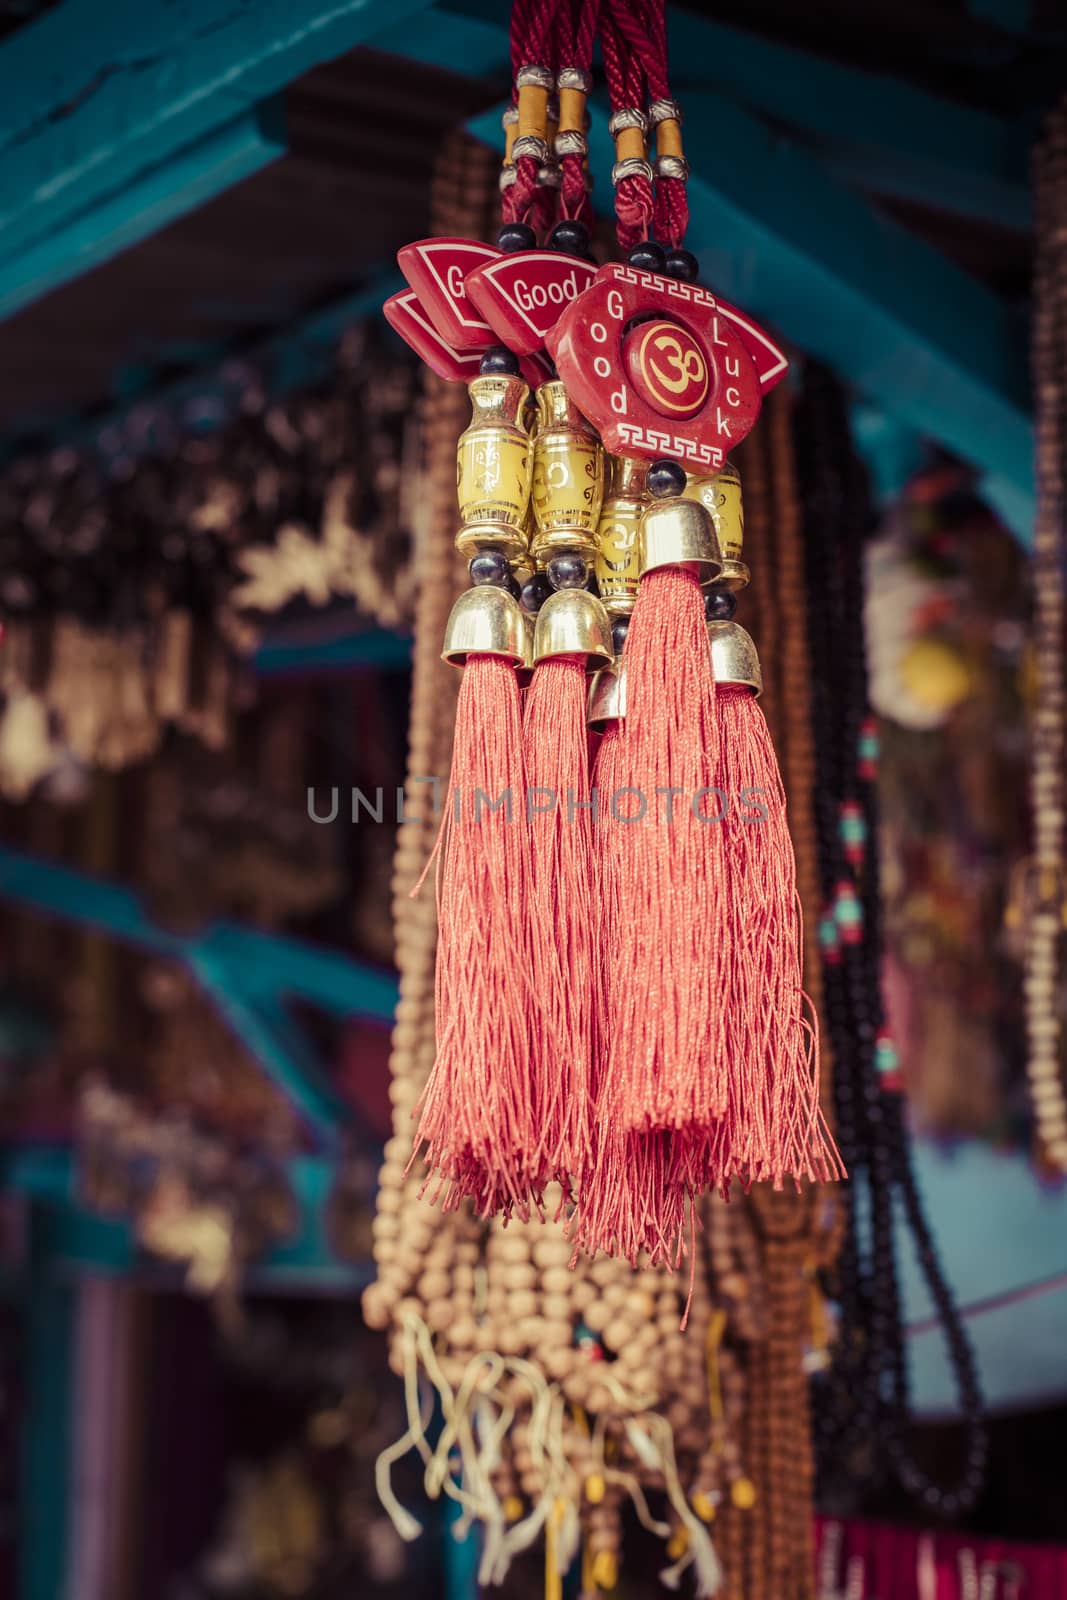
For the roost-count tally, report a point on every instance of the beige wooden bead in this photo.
(597, 1316)
(435, 1286)
(558, 1360)
(439, 1314)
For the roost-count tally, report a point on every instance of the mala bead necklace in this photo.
(865, 1396)
(1046, 898)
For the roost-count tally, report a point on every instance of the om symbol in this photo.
(668, 367)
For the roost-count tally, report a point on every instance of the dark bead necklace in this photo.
(862, 1406)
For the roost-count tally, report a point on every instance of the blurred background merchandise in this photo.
(226, 512)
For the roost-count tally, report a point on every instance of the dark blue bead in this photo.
(489, 566)
(498, 359)
(720, 605)
(535, 591)
(682, 264)
(567, 572)
(571, 236)
(648, 256)
(516, 236)
(620, 627)
(665, 478)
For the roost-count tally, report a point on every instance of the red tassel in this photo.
(476, 1114)
(662, 879)
(768, 1049)
(564, 914)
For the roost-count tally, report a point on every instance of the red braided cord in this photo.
(634, 205)
(576, 50)
(644, 27)
(531, 27)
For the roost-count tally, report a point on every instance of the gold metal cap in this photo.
(607, 696)
(573, 622)
(735, 574)
(733, 656)
(679, 533)
(485, 621)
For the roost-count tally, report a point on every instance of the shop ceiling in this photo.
(179, 182)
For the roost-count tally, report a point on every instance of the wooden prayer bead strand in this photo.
(460, 205)
(797, 756)
(1046, 913)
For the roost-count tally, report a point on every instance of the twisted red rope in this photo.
(623, 65)
(533, 43)
(577, 30)
(642, 25)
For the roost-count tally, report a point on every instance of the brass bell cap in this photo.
(607, 696)
(573, 622)
(485, 621)
(679, 533)
(734, 659)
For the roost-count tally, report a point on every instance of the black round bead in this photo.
(720, 605)
(499, 360)
(682, 264)
(665, 478)
(648, 256)
(620, 627)
(511, 584)
(489, 566)
(567, 572)
(516, 236)
(571, 236)
(535, 591)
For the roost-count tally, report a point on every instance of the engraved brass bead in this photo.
(494, 465)
(734, 659)
(573, 622)
(618, 570)
(720, 495)
(679, 533)
(568, 477)
(485, 622)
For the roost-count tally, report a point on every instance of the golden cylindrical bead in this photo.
(720, 494)
(494, 468)
(568, 477)
(617, 565)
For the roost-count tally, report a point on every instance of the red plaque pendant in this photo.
(408, 317)
(660, 369)
(522, 295)
(437, 271)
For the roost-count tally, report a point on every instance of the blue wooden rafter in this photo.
(247, 974)
(117, 118)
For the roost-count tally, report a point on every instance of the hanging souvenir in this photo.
(620, 1005)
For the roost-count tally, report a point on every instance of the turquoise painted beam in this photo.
(104, 109)
(889, 137)
(149, 201)
(248, 975)
(369, 647)
(906, 327)
(68, 1234)
(209, 396)
(46, 1425)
